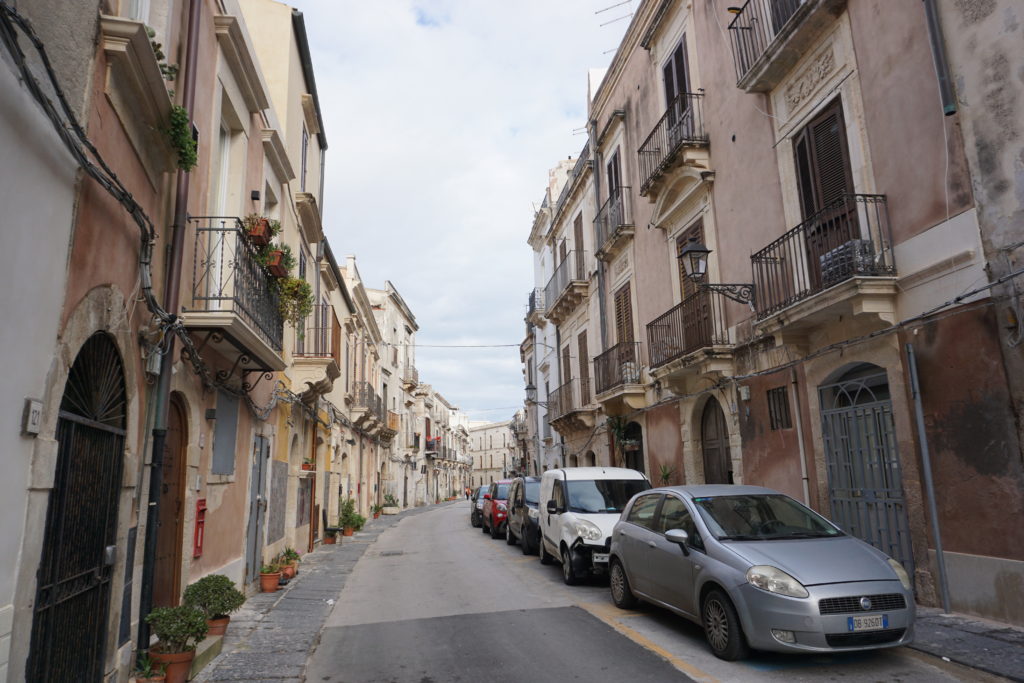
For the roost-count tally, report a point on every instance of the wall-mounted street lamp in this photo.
(695, 262)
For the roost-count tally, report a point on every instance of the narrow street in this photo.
(433, 599)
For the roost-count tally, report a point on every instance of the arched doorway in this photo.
(714, 444)
(72, 602)
(589, 460)
(167, 571)
(633, 447)
(864, 475)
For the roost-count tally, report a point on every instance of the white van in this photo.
(578, 509)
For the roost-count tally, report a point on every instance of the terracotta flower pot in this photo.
(259, 232)
(330, 540)
(268, 582)
(274, 263)
(176, 664)
(217, 626)
(308, 466)
(348, 531)
(288, 571)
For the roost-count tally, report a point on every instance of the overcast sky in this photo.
(442, 119)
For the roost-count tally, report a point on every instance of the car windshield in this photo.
(761, 517)
(603, 495)
(502, 493)
(533, 492)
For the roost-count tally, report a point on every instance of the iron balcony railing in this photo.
(682, 124)
(560, 401)
(617, 366)
(698, 322)
(569, 270)
(577, 170)
(616, 213)
(754, 28)
(410, 374)
(319, 335)
(367, 399)
(850, 237)
(536, 302)
(228, 277)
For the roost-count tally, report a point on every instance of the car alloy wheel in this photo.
(722, 627)
(622, 594)
(568, 573)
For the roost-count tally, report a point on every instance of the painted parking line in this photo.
(613, 617)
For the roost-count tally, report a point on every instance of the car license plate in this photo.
(599, 557)
(871, 622)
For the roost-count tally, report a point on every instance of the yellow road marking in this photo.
(610, 615)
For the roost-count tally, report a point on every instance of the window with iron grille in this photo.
(778, 408)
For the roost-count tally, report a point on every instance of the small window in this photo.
(778, 408)
(642, 512)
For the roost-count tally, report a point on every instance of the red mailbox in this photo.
(197, 540)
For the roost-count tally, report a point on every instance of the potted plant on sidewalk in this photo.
(390, 505)
(216, 597)
(290, 563)
(178, 631)
(270, 576)
(147, 671)
(377, 510)
(350, 520)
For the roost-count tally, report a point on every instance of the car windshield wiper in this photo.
(806, 534)
(741, 537)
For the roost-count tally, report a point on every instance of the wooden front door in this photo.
(167, 569)
(715, 444)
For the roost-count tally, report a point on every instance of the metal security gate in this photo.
(70, 617)
(865, 484)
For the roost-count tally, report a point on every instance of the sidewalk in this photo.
(271, 637)
(985, 645)
(273, 634)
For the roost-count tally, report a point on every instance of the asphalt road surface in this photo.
(434, 600)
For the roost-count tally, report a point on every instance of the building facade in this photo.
(858, 274)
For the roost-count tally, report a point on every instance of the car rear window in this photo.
(533, 492)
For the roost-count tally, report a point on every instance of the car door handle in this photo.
(652, 544)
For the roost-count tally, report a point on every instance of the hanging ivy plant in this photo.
(180, 133)
(295, 299)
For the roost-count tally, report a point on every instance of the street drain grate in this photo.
(390, 553)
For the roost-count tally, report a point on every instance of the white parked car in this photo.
(579, 506)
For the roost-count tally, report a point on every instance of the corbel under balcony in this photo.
(309, 217)
(616, 243)
(137, 92)
(689, 373)
(240, 58)
(623, 399)
(567, 302)
(276, 154)
(869, 303)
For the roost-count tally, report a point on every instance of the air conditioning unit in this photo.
(856, 257)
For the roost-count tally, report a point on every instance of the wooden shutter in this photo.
(577, 244)
(561, 251)
(614, 174)
(584, 359)
(823, 160)
(566, 368)
(623, 315)
(687, 287)
(676, 73)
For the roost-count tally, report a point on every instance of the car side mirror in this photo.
(679, 537)
(552, 508)
(487, 496)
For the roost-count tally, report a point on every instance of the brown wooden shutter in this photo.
(686, 286)
(623, 315)
(823, 160)
(566, 367)
(584, 356)
(577, 245)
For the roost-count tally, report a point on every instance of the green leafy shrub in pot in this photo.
(179, 629)
(214, 595)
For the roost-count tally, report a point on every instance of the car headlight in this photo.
(502, 507)
(588, 531)
(774, 580)
(901, 573)
(532, 513)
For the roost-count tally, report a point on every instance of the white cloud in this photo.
(443, 118)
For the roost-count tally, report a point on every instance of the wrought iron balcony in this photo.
(582, 163)
(698, 322)
(410, 376)
(232, 295)
(614, 223)
(535, 307)
(319, 335)
(568, 399)
(681, 126)
(847, 239)
(567, 286)
(618, 366)
(770, 36)
(367, 407)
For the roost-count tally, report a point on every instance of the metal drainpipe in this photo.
(926, 471)
(939, 58)
(313, 487)
(800, 437)
(596, 173)
(171, 304)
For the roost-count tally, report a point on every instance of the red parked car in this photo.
(495, 514)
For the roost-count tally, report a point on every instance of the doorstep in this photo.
(205, 652)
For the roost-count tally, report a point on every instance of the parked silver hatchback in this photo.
(758, 570)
